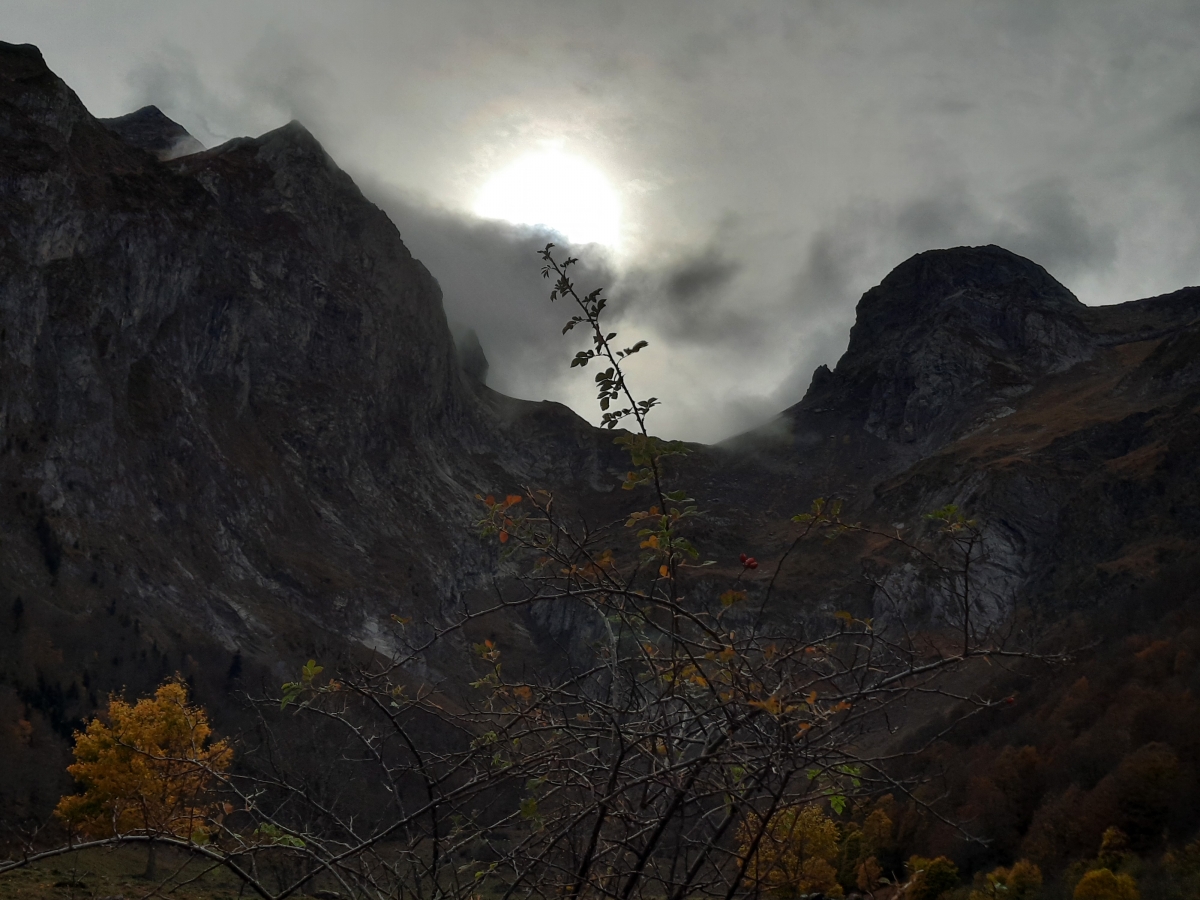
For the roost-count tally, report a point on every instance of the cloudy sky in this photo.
(763, 162)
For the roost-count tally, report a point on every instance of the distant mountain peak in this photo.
(945, 329)
(151, 130)
(939, 273)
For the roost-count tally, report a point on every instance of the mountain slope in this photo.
(234, 425)
(974, 378)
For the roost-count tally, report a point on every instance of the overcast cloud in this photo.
(774, 158)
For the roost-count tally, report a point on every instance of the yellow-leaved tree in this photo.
(1103, 884)
(793, 855)
(146, 769)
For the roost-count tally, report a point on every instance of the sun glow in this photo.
(558, 191)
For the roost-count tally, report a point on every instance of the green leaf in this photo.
(310, 671)
(291, 692)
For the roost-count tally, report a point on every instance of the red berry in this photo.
(743, 558)
(1010, 700)
(751, 563)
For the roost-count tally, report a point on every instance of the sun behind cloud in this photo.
(556, 190)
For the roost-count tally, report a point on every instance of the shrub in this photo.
(929, 879)
(1102, 884)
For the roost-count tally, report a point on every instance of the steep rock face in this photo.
(973, 378)
(231, 407)
(945, 330)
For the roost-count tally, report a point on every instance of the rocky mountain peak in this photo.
(35, 96)
(945, 330)
(150, 130)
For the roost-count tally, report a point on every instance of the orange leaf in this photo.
(503, 537)
(771, 705)
(664, 571)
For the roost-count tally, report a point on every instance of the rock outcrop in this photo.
(947, 330)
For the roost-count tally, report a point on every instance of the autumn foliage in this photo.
(1102, 884)
(794, 854)
(146, 768)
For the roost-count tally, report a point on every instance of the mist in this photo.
(773, 160)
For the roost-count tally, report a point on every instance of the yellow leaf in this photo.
(731, 597)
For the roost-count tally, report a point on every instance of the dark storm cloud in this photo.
(698, 278)
(690, 298)
(1041, 221)
(1050, 228)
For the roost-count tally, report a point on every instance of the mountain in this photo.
(974, 378)
(149, 129)
(237, 433)
(235, 427)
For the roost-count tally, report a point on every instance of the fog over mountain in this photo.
(773, 160)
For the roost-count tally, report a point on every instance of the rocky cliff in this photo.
(972, 377)
(232, 418)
